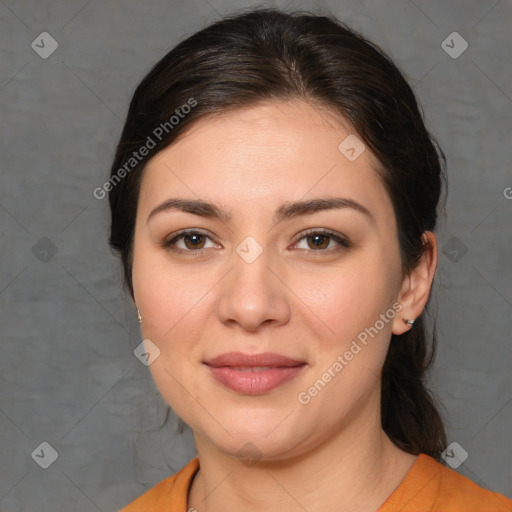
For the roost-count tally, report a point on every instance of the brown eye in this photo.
(194, 241)
(319, 241)
(189, 241)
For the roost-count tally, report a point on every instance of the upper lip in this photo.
(239, 359)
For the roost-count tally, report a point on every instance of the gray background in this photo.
(68, 373)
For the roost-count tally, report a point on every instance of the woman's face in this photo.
(258, 277)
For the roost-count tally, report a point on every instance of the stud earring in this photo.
(408, 321)
(139, 318)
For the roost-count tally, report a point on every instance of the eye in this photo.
(193, 241)
(323, 241)
(190, 241)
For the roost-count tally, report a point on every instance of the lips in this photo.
(239, 359)
(254, 374)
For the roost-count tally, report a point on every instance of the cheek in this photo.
(166, 294)
(344, 301)
(170, 304)
(350, 356)
(174, 302)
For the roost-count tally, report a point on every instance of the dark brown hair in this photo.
(266, 54)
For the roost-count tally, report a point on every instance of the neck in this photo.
(354, 470)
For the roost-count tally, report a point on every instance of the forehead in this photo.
(268, 152)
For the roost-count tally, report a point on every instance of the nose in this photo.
(252, 295)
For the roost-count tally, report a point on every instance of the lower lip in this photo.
(257, 382)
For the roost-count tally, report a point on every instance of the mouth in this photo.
(252, 368)
(254, 374)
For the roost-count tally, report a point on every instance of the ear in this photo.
(416, 285)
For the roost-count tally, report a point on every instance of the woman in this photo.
(273, 200)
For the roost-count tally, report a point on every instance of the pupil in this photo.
(318, 240)
(192, 241)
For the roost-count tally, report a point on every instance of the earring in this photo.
(408, 321)
(139, 318)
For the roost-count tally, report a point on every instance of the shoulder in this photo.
(430, 486)
(170, 495)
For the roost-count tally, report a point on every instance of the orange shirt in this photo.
(428, 487)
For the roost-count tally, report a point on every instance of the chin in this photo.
(250, 449)
(267, 439)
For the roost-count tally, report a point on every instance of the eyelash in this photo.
(343, 242)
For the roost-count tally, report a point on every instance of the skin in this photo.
(295, 299)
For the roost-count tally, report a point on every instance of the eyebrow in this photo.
(284, 212)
